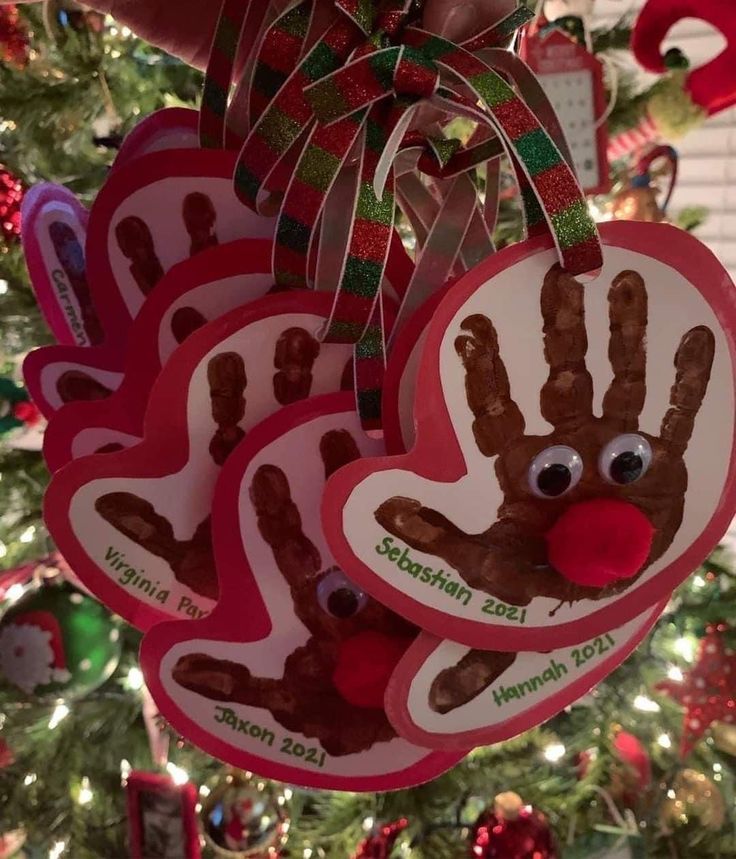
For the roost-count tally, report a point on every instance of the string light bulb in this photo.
(61, 711)
(675, 673)
(686, 648)
(135, 678)
(646, 705)
(58, 848)
(27, 537)
(85, 795)
(665, 741)
(14, 593)
(554, 752)
(178, 775)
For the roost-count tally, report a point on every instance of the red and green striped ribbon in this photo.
(553, 197)
(356, 313)
(321, 160)
(219, 76)
(278, 55)
(289, 113)
(370, 236)
(559, 199)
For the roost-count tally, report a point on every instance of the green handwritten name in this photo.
(438, 579)
(503, 694)
(227, 716)
(554, 671)
(289, 747)
(133, 578)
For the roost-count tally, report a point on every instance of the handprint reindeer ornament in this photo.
(574, 456)
(287, 676)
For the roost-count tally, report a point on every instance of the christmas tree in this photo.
(643, 765)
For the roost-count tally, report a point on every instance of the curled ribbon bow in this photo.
(347, 103)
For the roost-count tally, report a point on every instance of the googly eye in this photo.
(625, 459)
(555, 471)
(338, 596)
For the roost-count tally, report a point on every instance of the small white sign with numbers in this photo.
(573, 81)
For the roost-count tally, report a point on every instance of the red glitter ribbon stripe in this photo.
(278, 55)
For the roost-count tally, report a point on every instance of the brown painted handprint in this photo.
(185, 321)
(191, 560)
(296, 352)
(199, 217)
(227, 381)
(310, 697)
(75, 386)
(136, 243)
(590, 506)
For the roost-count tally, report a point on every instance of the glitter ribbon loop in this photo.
(560, 200)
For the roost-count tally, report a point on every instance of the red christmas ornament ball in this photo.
(633, 753)
(380, 844)
(14, 45)
(512, 830)
(11, 196)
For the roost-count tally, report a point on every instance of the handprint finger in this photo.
(185, 321)
(227, 380)
(628, 310)
(71, 256)
(280, 525)
(566, 398)
(693, 365)
(75, 386)
(337, 448)
(138, 520)
(295, 354)
(136, 243)
(487, 388)
(199, 217)
(480, 565)
(455, 686)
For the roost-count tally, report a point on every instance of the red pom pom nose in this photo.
(365, 665)
(595, 543)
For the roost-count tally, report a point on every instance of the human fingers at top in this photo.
(185, 27)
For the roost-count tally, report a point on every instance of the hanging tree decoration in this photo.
(11, 196)
(380, 843)
(641, 199)
(57, 643)
(682, 99)
(14, 44)
(708, 691)
(512, 830)
(693, 795)
(245, 817)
